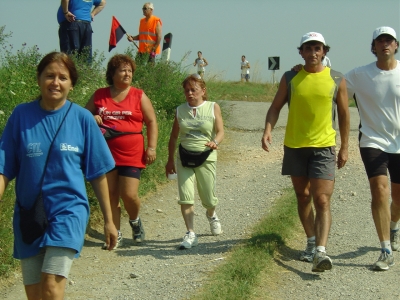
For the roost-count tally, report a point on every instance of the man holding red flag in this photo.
(150, 34)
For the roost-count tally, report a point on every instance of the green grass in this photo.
(239, 275)
(242, 91)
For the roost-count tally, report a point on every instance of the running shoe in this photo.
(308, 254)
(215, 224)
(189, 241)
(138, 233)
(321, 262)
(394, 239)
(385, 261)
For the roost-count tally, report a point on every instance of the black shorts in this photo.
(127, 171)
(378, 162)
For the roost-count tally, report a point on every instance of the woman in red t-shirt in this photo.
(122, 109)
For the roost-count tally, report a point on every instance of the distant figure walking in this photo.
(201, 63)
(326, 62)
(245, 67)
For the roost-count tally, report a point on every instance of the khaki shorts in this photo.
(51, 260)
(310, 162)
(206, 178)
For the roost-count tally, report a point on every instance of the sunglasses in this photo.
(145, 8)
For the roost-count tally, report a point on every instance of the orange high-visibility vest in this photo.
(147, 34)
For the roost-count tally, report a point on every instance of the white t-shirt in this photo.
(377, 93)
(245, 69)
(326, 62)
(200, 62)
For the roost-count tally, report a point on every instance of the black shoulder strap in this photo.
(289, 76)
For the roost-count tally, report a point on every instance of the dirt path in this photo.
(249, 181)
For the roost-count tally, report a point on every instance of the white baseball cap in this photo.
(384, 30)
(312, 36)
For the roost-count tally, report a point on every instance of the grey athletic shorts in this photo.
(51, 260)
(311, 162)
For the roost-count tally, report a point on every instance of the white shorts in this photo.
(51, 260)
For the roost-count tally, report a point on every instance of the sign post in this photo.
(273, 64)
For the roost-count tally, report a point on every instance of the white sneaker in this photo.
(119, 242)
(215, 224)
(189, 240)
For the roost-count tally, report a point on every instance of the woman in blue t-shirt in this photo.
(49, 145)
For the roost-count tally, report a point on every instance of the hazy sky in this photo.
(223, 30)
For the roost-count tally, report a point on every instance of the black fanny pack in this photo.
(110, 133)
(33, 222)
(192, 159)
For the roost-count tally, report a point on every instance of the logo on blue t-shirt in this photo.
(33, 150)
(66, 147)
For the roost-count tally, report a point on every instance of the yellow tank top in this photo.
(312, 103)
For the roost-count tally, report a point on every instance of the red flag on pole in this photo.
(117, 32)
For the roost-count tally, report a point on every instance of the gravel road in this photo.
(249, 181)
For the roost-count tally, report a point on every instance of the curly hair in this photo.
(115, 62)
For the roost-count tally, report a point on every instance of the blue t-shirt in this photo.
(79, 151)
(80, 8)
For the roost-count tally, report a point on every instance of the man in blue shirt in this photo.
(75, 32)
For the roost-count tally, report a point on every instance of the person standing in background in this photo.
(150, 34)
(75, 31)
(201, 63)
(326, 62)
(245, 67)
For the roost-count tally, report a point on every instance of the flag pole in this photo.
(132, 41)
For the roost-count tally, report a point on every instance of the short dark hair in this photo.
(61, 58)
(115, 62)
(199, 52)
(373, 45)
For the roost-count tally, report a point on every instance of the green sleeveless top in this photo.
(196, 131)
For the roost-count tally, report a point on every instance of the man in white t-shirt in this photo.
(245, 67)
(376, 90)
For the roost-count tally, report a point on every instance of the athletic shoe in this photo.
(215, 224)
(385, 261)
(308, 254)
(321, 262)
(119, 242)
(394, 239)
(189, 241)
(138, 233)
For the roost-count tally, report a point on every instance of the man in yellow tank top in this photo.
(309, 158)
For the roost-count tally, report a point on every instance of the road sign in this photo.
(273, 63)
(166, 50)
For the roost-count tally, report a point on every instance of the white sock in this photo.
(394, 225)
(321, 249)
(311, 239)
(134, 220)
(386, 245)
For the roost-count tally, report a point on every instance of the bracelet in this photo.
(152, 149)
(215, 142)
(66, 12)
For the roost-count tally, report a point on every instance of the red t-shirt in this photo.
(127, 150)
